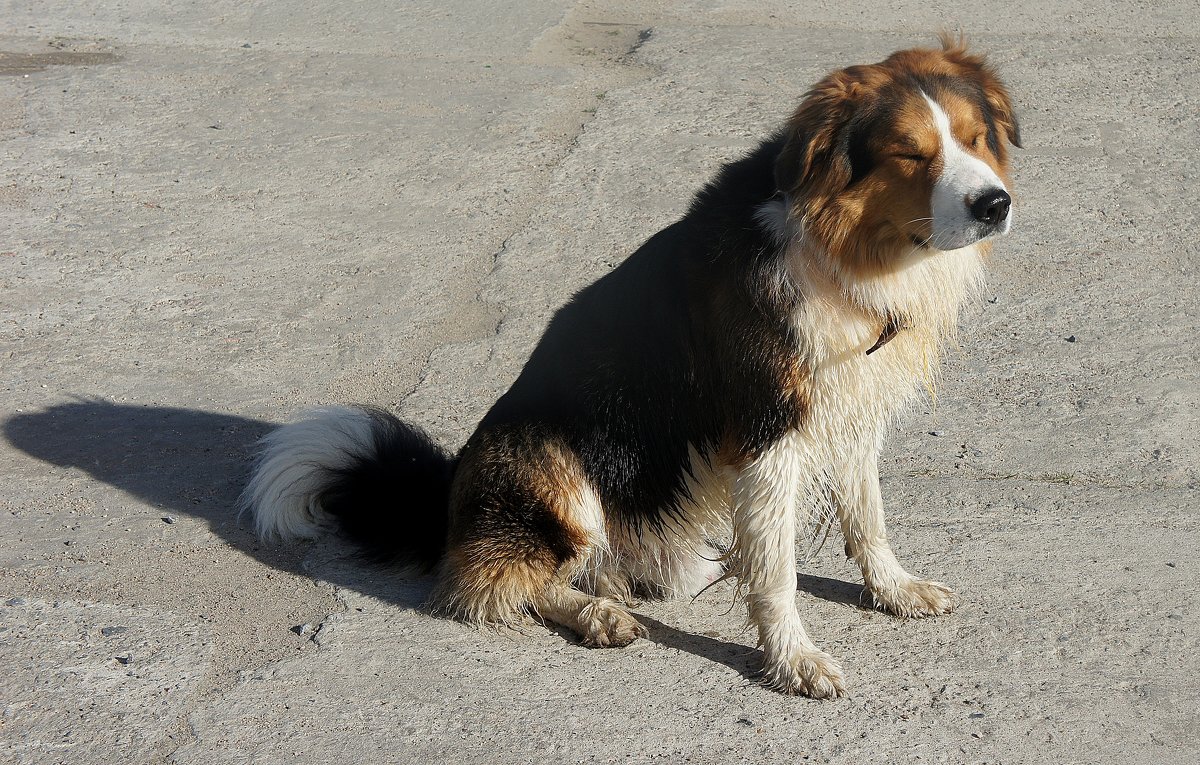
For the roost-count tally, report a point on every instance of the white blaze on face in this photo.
(964, 179)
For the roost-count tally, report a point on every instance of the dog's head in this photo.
(910, 154)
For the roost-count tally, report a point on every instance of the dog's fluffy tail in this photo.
(386, 484)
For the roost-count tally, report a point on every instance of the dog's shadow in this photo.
(743, 659)
(833, 590)
(740, 658)
(190, 462)
(183, 462)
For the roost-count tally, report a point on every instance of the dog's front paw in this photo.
(607, 625)
(810, 672)
(915, 599)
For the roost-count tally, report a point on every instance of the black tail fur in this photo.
(393, 500)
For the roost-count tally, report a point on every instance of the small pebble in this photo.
(1169, 563)
(937, 432)
(110, 631)
(168, 519)
(305, 630)
(975, 715)
(124, 659)
(15, 602)
(1071, 339)
(1176, 616)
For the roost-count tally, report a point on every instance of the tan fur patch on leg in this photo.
(568, 494)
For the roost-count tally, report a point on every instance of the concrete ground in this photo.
(213, 215)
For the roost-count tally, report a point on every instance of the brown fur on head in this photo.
(863, 152)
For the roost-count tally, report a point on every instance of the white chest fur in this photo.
(854, 396)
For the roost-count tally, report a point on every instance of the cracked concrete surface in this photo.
(213, 216)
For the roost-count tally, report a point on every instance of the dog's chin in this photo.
(957, 241)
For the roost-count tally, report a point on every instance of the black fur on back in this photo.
(393, 500)
(679, 345)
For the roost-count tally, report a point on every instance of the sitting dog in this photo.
(684, 416)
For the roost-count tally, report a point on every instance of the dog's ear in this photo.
(816, 156)
(999, 103)
(1002, 109)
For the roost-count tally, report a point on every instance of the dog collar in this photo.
(891, 328)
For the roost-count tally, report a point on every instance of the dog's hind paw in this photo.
(915, 599)
(607, 625)
(811, 673)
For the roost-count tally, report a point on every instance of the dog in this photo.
(684, 417)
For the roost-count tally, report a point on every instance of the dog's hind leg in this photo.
(764, 523)
(860, 512)
(525, 525)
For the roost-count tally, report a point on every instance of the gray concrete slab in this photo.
(213, 216)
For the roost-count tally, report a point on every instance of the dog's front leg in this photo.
(764, 520)
(860, 512)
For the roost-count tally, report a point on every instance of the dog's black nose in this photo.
(991, 207)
